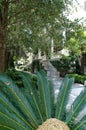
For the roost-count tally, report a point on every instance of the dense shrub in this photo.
(15, 75)
(64, 63)
(67, 64)
(78, 78)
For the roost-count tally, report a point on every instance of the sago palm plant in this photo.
(33, 107)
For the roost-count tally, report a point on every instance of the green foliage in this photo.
(77, 107)
(63, 100)
(34, 23)
(65, 63)
(78, 78)
(80, 124)
(4, 127)
(27, 109)
(75, 37)
(36, 65)
(15, 75)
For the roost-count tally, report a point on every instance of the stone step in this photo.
(51, 70)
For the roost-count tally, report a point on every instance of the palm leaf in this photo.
(10, 119)
(31, 93)
(10, 122)
(18, 99)
(25, 110)
(9, 106)
(52, 98)
(81, 125)
(63, 97)
(4, 127)
(77, 106)
(44, 95)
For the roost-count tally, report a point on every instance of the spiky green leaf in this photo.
(44, 95)
(4, 127)
(18, 98)
(7, 105)
(81, 125)
(77, 106)
(31, 93)
(63, 97)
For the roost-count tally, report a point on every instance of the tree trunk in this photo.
(82, 63)
(3, 29)
(2, 51)
(2, 60)
(82, 60)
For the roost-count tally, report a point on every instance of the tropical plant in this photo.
(27, 109)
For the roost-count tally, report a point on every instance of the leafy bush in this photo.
(27, 109)
(67, 64)
(78, 78)
(64, 63)
(15, 75)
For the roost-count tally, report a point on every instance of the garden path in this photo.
(53, 75)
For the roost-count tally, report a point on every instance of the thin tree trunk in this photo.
(82, 63)
(82, 60)
(3, 29)
(2, 50)
(2, 60)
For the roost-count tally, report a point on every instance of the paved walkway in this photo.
(53, 75)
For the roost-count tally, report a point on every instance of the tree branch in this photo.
(13, 1)
(18, 13)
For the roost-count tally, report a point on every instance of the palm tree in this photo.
(33, 107)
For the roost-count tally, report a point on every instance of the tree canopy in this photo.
(33, 23)
(76, 37)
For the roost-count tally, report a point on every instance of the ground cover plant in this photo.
(35, 108)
